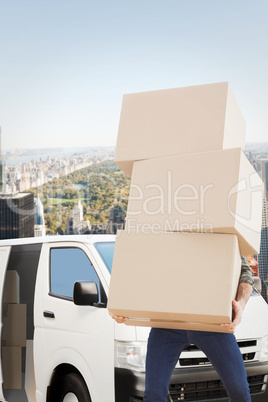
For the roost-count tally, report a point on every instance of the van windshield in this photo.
(106, 251)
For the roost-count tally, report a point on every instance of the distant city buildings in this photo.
(98, 229)
(32, 171)
(16, 209)
(2, 168)
(23, 176)
(2, 176)
(16, 215)
(76, 224)
(116, 220)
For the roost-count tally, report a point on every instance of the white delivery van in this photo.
(59, 344)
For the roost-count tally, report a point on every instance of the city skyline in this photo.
(34, 172)
(66, 65)
(66, 149)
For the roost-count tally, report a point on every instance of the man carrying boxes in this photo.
(193, 194)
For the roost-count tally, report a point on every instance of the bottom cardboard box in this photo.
(189, 326)
(181, 280)
(11, 366)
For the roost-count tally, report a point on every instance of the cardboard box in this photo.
(12, 287)
(14, 325)
(190, 326)
(217, 191)
(183, 280)
(178, 121)
(11, 366)
(30, 386)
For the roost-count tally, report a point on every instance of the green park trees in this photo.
(99, 187)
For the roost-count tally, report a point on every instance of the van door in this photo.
(68, 335)
(4, 256)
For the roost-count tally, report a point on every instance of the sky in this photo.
(66, 64)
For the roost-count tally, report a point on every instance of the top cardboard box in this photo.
(178, 121)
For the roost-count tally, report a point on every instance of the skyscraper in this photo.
(76, 224)
(39, 221)
(2, 168)
(16, 215)
(16, 210)
(116, 219)
(263, 256)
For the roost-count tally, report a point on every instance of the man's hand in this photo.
(119, 320)
(243, 294)
(238, 312)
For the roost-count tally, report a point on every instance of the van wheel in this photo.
(73, 389)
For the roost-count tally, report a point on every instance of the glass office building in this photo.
(16, 215)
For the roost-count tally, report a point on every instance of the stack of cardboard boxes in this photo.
(13, 332)
(195, 206)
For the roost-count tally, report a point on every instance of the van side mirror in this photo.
(257, 283)
(85, 293)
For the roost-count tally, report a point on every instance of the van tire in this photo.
(74, 384)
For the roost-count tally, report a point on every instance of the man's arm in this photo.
(244, 291)
(246, 272)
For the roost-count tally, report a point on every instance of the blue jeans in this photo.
(164, 349)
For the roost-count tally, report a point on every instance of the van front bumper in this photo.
(192, 384)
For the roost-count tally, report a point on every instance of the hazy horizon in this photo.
(98, 146)
(65, 65)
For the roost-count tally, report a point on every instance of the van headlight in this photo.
(264, 349)
(130, 355)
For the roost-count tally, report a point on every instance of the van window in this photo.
(106, 251)
(67, 266)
